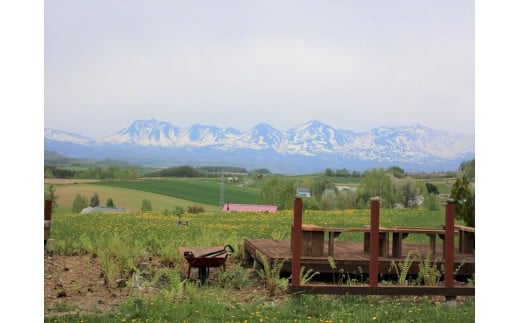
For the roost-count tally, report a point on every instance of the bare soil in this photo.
(75, 284)
(68, 181)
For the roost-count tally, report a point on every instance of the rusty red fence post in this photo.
(297, 241)
(449, 244)
(374, 242)
(48, 210)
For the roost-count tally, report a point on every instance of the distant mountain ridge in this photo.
(310, 146)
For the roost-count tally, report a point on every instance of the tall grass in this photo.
(160, 234)
(122, 241)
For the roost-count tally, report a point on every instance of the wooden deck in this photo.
(350, 257)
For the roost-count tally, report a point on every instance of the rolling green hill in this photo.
(197, 190)
(129, 199)
(164, 194)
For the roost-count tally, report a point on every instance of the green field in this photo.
(164, 194)
(197, 190)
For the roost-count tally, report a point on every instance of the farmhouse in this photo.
(231, 207)
(100, 209)
(303, 192)
(345, 188)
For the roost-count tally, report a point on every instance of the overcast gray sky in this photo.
(354, 65)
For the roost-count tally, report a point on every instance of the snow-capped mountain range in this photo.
(312, 146)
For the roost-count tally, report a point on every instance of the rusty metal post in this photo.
(48, 210)
(374, 242)
(47, 215)
(449, 245)
(297, 241)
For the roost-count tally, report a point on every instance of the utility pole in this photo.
(221, 189)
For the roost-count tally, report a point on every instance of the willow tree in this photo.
(278, 191)
(376, 182)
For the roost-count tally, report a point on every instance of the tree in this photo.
(398, 172)
(94, 200)
(342, 172)
(320, 184)
(51, 195)
(464, 198)
(407, 193)
(146, 206)
(468, 169)
(346, 199)
(110, 202)
(328, 200)
(48, 173)
(278, 191)
(329, 172)
(79, 203)
(432, 189)
(376, 182)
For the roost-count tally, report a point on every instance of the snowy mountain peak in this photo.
(414, 145)
(62, 136)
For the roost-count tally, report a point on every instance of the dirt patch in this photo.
(68, 181)
(75, 284)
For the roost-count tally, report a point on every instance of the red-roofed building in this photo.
(231, 207)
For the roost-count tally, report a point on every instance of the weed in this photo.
(332, 265)
(429, 274)
(341, 273)
(270, 274)
(236, 277)
(172, 285)
(85, 244)
(65, 307)
(108, 266)
(403, 268)
(306, 276)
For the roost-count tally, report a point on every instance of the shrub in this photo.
(80, 202)
(195, 209)
(146, 205)
(464, 198)
(94, 200)
(110, 203)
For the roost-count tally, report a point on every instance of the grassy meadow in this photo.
(217, 228)
(122, 242)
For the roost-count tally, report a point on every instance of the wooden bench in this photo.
(313, 238)
(466, 238)
(383, 238)
(400, 233)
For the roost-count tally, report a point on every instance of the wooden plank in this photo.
(382, 290)
(464, 228)
(349, 256)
